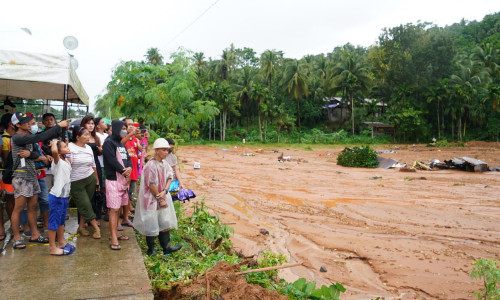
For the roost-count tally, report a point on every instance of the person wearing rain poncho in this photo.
(154, 212)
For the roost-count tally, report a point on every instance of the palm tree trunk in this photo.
(220, 124)
(352, 112)
(439, 129)
(209, 130)
(298, 120)
(260, 129)
(265, 130)
(278, 134)
(460, 129)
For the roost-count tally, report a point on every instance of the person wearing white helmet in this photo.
(154, 212)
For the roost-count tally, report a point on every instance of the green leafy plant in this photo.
(301, 289)
(205, 242)
(358, 157)
(267, 279)
(487, 270)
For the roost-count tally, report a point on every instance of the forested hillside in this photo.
(427, 81)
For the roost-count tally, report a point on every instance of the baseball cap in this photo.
(20, 118)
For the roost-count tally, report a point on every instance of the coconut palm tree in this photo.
(243, 88)
(154, 57)
(199, 61)
(295, 82)
(350, 75)
(269, 61)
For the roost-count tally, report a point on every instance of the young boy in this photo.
(58, 198)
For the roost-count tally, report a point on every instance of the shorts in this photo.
(7, 187)
(116, 196)
(25, 187)
(58, 208)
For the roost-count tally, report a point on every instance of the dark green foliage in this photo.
(427, 81)
(358, 157)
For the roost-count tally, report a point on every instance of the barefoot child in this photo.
(58, 198)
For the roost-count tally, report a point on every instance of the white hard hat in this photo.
(161, 143)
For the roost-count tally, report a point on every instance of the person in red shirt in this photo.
(134, 149)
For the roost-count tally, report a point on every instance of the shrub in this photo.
(487, 270)
(358, 157)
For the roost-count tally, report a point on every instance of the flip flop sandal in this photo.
(83, 232)
(119, 228)
(123, 238)
(67, 250)
(97, 235)
(19, 245)
(41, 239)
(2, 237)
(128, 224)
(115, 246)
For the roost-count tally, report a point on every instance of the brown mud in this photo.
(381, 233)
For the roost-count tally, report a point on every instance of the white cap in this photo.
(161, 143)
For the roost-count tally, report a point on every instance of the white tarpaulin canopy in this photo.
(26, 75)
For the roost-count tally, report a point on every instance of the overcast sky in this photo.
(111, 31)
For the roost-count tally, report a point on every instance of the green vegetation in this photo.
(206, 242)
(487, 270)
(358, 157)
(426, 81)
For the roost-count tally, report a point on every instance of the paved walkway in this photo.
(94, 271)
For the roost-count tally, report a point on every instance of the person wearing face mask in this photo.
(118, 167)
(24, 178)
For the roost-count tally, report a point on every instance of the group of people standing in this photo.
(48, 167)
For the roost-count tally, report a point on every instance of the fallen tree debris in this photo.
(269, 268)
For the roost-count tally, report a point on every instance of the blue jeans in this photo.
(43, 197)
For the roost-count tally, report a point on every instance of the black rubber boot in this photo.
(150, 241)
(164, 238)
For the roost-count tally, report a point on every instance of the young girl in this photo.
(58, 198)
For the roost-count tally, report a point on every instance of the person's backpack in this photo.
(9, 168)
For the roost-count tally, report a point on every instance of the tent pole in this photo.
(65, 107)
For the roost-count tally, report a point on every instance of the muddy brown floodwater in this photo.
(400, 236)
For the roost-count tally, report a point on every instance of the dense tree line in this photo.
(433, 82)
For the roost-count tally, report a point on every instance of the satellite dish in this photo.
(26, 30)
(70, 42)
(74, 63)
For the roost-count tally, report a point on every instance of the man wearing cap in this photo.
(24, 179)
